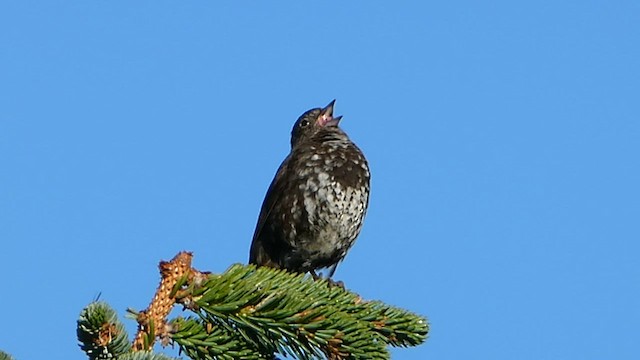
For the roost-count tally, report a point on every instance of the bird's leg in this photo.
(330, 282)
(332, 270)
(314, 275)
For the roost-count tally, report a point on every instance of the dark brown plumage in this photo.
(315, 205)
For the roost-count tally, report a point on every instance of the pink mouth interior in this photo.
(325, 120)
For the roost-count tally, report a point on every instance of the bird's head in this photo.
(312, 122)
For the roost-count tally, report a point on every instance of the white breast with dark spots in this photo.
(335, 196)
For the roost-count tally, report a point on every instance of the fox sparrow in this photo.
(315, 205)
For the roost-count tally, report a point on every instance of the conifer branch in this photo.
(252, 313)
(276, 311)
(100, 333)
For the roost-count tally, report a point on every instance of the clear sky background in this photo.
(503, 139)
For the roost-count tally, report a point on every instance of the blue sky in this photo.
(502, 138)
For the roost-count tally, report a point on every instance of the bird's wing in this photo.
(271, 198)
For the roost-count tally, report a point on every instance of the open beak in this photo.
(326, 116)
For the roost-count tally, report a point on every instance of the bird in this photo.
(315, 206)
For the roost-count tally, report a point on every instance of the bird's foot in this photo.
(333, 283)
(330, 282)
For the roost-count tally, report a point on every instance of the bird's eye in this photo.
(304, 123)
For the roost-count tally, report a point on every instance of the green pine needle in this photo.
(273, 311)
(5, 356)
(145, 355)
(100, 333)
